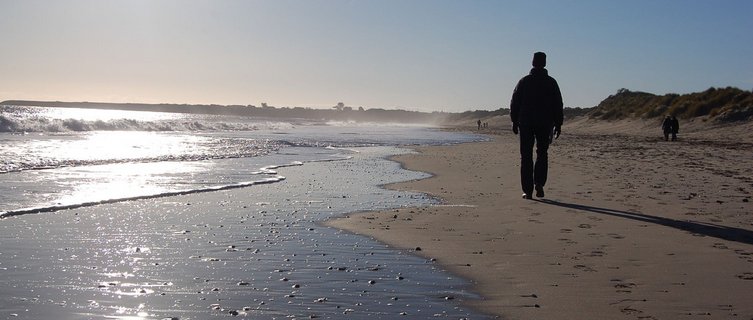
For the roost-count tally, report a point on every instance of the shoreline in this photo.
(254, 252)
(625, 231)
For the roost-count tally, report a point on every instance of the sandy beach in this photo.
(632, 227)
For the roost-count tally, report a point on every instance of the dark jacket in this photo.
(666, 125)
(675, 125)
(537, 100)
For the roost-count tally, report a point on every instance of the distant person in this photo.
(666, 127)
(536, 113)
(675, 128)
(479, 124)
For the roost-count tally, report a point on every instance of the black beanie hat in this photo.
(539, 59)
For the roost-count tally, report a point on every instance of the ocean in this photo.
(148, 215)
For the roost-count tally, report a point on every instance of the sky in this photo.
(422, 55)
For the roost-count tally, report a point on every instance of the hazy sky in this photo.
(413, 54)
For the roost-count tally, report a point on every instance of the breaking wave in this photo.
(12, 124)
(221, 148)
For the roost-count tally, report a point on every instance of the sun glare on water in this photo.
(123, 180)
(107, 145)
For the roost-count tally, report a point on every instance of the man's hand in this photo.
(557, 131)
(515, 128)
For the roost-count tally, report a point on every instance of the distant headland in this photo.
(715, 104)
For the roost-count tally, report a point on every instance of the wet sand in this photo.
(632, 227)
(255, 253)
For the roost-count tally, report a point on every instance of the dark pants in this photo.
(531, 173)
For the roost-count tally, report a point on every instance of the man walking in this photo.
(675, 128)
(666, 127)
(536, 110)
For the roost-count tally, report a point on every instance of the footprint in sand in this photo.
(596, 253)
(630, 311)
(624, 287)
(720, 246)
(584, 226)
(746, 276)
(584, 268)
(744, 255)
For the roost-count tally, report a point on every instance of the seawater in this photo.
(258, 253)
(52, 158)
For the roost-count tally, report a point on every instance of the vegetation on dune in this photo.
(718, 104)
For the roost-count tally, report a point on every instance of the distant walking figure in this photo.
(666, 127)
(536, 110)
(479, 124)
(675, 128)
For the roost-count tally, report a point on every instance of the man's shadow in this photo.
(700, 228)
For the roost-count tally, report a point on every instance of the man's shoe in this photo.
(527, 196)
(539, 191)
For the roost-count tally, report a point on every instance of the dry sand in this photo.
(632, 227)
